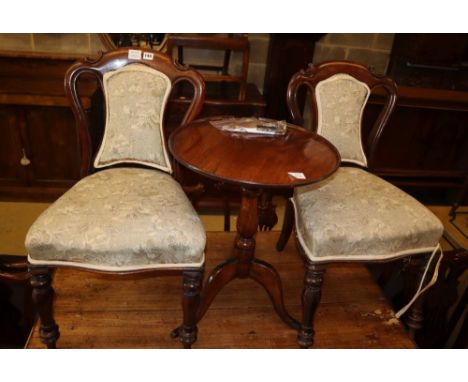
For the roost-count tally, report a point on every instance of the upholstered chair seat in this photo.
(355, 215)
(120, 219)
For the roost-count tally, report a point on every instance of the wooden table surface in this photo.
(249, 160)
(98, 311)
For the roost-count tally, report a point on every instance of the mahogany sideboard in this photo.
(39, 156)
(425, 143)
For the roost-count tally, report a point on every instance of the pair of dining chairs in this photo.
(128, 214)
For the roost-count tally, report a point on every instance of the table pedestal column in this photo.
(244, 264)
(247, 224)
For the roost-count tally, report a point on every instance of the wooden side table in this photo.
(254, 163)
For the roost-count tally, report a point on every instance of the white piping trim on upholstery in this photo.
(115, 268)
(107, 76)
(421, 290)
(353, 161)
(338, 77)
(322, 259)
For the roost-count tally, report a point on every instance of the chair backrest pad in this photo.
(136, 96)
(338, 94)
(340, 105)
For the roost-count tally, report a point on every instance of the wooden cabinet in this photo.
(426, 140)
(287, 54)
(39, 158)
(425, 143)
(11, 171)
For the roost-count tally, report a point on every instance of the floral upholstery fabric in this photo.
(354, 215)
(119, 219)
(136, 96)
(340, 104)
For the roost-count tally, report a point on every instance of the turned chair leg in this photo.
(43, 295)
(192, 281)
(413, 273)
(311, 295)
(287, 226)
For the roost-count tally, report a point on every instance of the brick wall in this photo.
(370, 49)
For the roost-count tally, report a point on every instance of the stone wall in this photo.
(257, 62)
(74, 43)
(90, 44)
(370, 49)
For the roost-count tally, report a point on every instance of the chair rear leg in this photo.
(192, 281)
(267, 217)
(43, 295)
(413, 273)
(311, 295)
(287, 226)
(227, 214)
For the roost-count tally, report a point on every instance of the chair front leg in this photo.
(192, 282)
(43, 295)
(311, 295)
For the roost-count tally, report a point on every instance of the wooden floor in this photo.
(96, 311)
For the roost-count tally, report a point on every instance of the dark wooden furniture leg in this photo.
(192, 281)
(43, 295)
(462, 339)
(311, 295)
(244, 265)
(267, 217)
(461, 198)
(268, 277)
(227, 214)
(13, 268)
(287, 228)
(413, 274)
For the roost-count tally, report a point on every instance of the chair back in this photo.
(136, 84)
(339, 91)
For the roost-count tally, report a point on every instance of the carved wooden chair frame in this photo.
(313, 280)
(41, 276)
(310, 78)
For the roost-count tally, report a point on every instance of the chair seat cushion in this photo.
(354, 215)
(120, 219)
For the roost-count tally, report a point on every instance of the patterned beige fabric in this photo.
(136, 96)
(354, 215)
(119, 219)
(340, 103)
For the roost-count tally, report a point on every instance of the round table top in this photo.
(259, 161)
